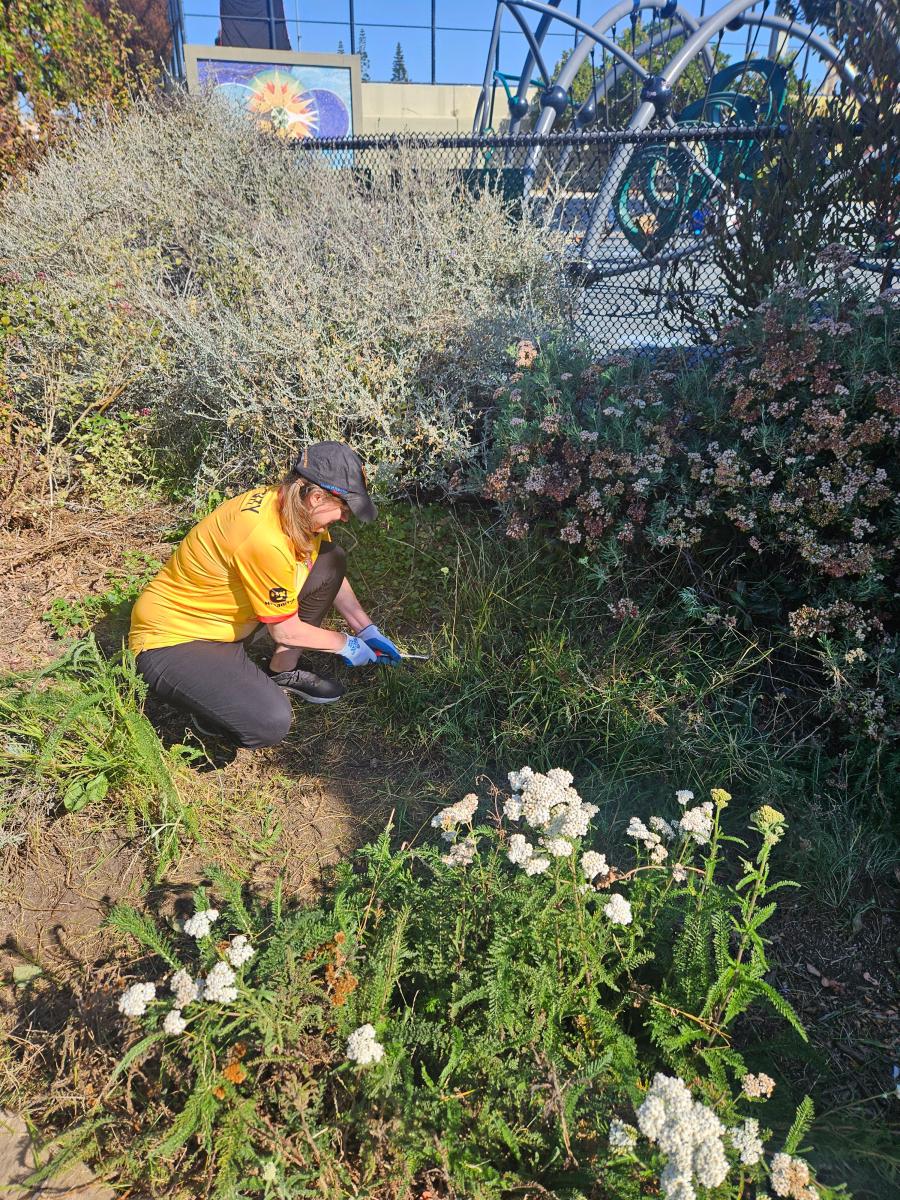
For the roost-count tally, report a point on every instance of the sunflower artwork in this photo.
(293, 102)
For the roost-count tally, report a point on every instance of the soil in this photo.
(55, 892)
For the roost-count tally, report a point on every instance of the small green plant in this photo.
(508, 1010)
(78, 728)
(66, 617)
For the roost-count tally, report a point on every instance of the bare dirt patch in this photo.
(66, 558)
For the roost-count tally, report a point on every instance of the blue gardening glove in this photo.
(383, 646)
(356, 653)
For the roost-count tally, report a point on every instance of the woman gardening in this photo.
(264, 556)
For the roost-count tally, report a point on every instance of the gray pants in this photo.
(222, 686)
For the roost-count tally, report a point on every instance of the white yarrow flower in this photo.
(219, 984)
(747, 1142)
(679, 874)
(199, 925)
(183, 988)
(698, 823)
(618, 909)
(512, 808)
(240, 951)
(133, 1002)
(362, 1046)
(688, 1133)
(593, 864)
(518, 779)
(663, 828)
(558, 847)
(174, 1022)
(637, 829)
(520, 849)
(622, 1137)
(537, 865)
(684, 797)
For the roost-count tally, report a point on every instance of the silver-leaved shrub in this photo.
(518, 1008)
(242, 297)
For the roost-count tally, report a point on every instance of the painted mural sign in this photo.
(294, 96)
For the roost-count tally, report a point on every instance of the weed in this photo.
(66, 617)
(77, 728)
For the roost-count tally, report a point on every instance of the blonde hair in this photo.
(293, 508)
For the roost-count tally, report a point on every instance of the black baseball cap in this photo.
(338, 469)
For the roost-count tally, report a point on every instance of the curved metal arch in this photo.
(607, 21)
(672, 72)
(540, 33)
(588, 31)
(660, 39)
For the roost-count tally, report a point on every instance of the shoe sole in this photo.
(311, 699)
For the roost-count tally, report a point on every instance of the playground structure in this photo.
(651, 68)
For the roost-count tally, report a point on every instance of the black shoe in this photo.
(316, 689)
(218, 746)
(207, 730)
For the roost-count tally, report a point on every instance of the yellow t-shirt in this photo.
(237, 567)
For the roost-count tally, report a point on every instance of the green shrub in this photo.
(252, 298)
(763, 481)
(479, 1017)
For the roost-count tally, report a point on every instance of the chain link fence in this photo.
(644, 219)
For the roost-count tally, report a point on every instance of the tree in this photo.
(149, 32)
(399, 73)
(58, 57)
(365, 66)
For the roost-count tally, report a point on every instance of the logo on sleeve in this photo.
(278, 595)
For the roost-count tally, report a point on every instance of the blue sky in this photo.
(462, 37)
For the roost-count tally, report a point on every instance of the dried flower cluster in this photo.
(791, 1178)
(448, 820)
(758, 1086)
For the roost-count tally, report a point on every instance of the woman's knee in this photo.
(269, 725)
(333, 558)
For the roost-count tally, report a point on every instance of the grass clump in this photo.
(77, 730)
(478, 1016)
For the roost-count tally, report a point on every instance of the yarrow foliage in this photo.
(440, 988)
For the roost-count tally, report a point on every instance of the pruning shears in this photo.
(417, 657)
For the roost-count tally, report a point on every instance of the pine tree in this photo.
(399, 73)
(364, 64)
(340, 48)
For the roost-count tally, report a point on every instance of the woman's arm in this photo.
(301, 635)
(350, 608)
